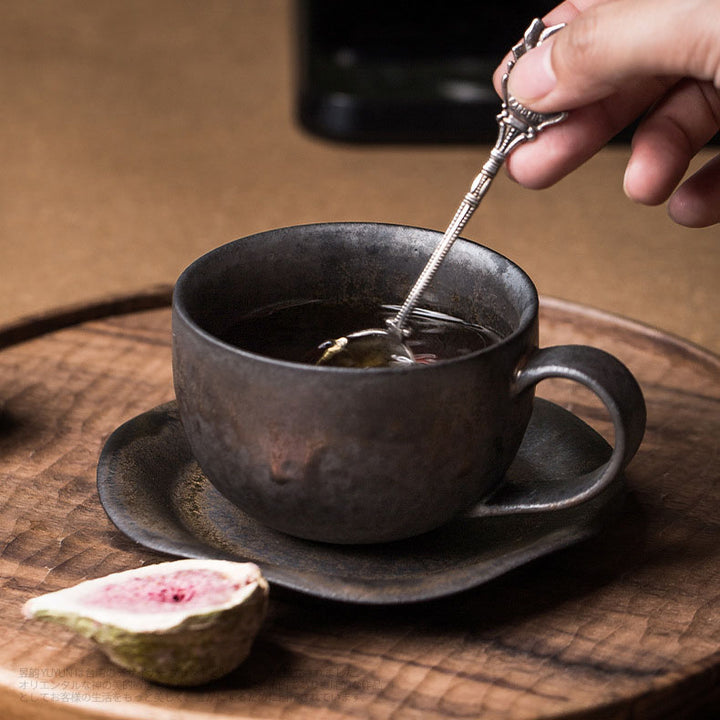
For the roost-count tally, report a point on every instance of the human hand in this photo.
(615, 60)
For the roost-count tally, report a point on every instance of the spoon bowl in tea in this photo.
(366, 349)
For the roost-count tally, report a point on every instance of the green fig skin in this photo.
(203, 646)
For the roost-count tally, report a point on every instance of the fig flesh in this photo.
(183, 622)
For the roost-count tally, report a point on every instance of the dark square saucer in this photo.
(154, 491)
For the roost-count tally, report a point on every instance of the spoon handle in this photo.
(516, 124)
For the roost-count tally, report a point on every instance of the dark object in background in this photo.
(401, 72)
(407, 72)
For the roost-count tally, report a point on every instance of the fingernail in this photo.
(626, 179)
(629, 180)
(532, 77)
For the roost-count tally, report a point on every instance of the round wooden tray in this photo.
(626, 624)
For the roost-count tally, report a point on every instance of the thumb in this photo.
(614, 42)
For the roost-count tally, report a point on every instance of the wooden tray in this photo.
(626, 624)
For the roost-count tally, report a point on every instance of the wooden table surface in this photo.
(626, 624)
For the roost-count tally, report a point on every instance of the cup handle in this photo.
(613, 383)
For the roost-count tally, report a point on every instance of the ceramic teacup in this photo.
(350, 455)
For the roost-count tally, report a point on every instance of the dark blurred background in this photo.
(379, 71)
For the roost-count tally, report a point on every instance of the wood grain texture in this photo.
(626, 625)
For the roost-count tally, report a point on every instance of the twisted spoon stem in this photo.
(464, 212)
(516, 125)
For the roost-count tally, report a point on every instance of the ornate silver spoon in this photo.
(517, 124)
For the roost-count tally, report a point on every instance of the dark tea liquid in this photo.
(295, 331)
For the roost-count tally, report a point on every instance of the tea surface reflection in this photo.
(296, 331)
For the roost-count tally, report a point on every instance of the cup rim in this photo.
(180, 310)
